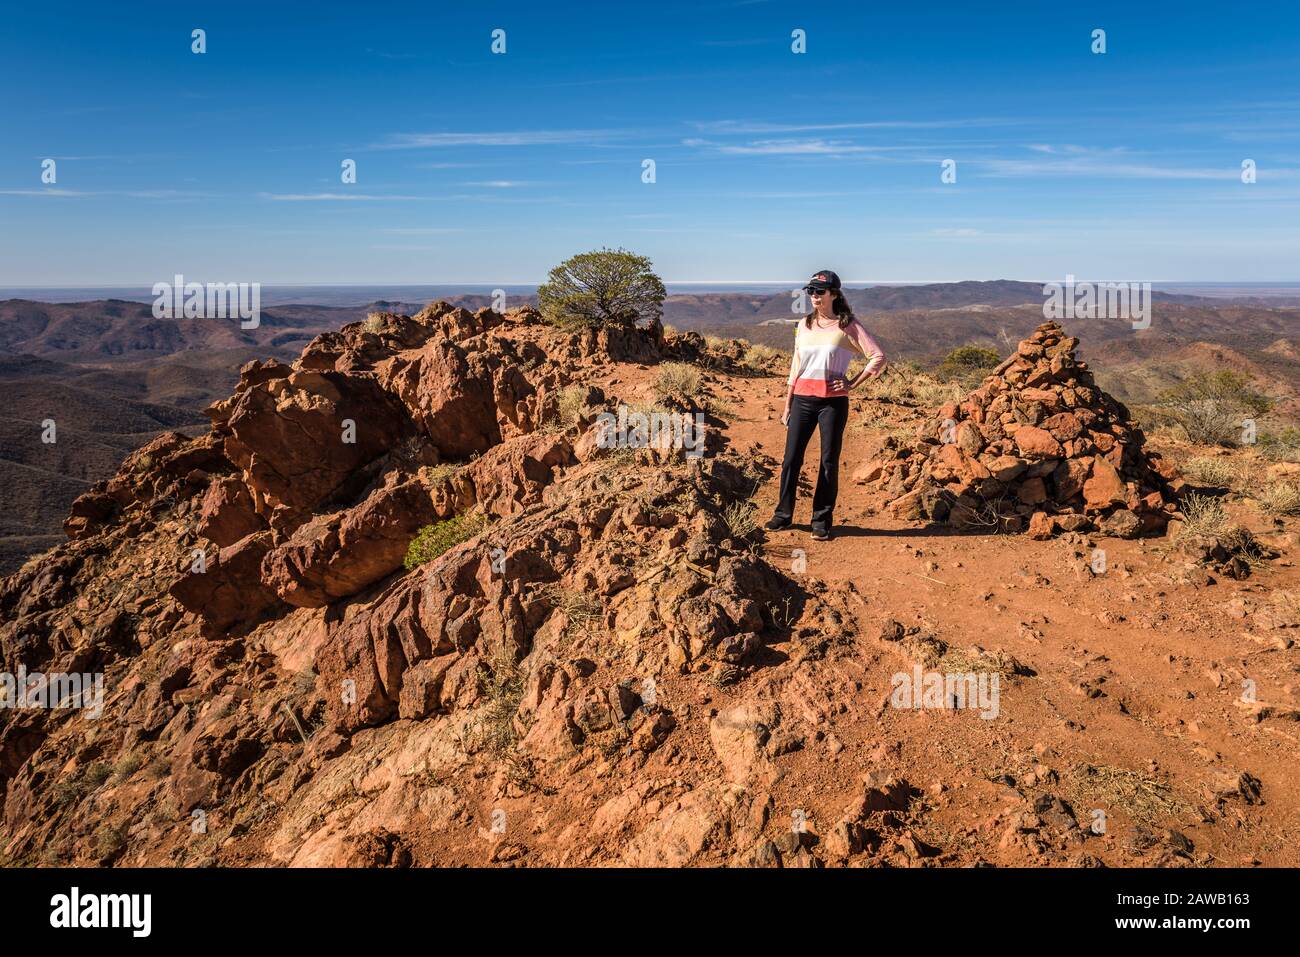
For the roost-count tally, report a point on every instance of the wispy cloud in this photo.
(64, 193)
(499, 183)
(60, 193)
(746, 127)
(339, 197)
(72, 159)
(784, 147)
(1113, 163)
(736, 43)
(409, 141)
(401, 248)
(794, 194)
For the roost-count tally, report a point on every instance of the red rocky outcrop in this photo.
(299, 641)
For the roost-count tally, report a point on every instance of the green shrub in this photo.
(432, 540)
(607, 287)
(441, 471)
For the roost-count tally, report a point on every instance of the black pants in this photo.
(829, 416)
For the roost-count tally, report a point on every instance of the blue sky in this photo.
(482, 167)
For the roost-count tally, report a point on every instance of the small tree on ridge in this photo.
(606, 287)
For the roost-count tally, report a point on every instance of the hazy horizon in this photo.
(355, 294)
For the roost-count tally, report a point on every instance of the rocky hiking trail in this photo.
(612, 668)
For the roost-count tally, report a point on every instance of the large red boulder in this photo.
(229, 591)
(449, 393)
(300, 439)
(227, 513)
(333, 556)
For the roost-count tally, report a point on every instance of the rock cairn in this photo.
(1037, 446)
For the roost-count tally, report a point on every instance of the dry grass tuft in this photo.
(502, 683)
(678, 378)
(1204, 515)
(580, 610)
(571, 403)
(905, 384)
(740, 519)
(1279, 498)
(1216, 470)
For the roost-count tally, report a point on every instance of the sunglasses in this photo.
(816, 292)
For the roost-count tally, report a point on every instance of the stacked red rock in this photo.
(1036, 446)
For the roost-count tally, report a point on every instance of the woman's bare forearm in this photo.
(868, 373)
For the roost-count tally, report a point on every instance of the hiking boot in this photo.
(821, 534)
(777, 525)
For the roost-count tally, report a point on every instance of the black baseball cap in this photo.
(823, 279)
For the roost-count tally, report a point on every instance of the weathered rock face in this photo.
(485, 604)
(1036, 446)
(450, 393)
(511, 476)
(170, 467)
(227, 513)
(338, 555)
(228, 587)
(299, 440)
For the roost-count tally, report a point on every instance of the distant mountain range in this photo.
(112, 376)
(912, 294)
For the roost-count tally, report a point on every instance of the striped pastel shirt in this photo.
(821, 355)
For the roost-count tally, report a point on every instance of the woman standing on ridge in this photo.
(817, 396)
